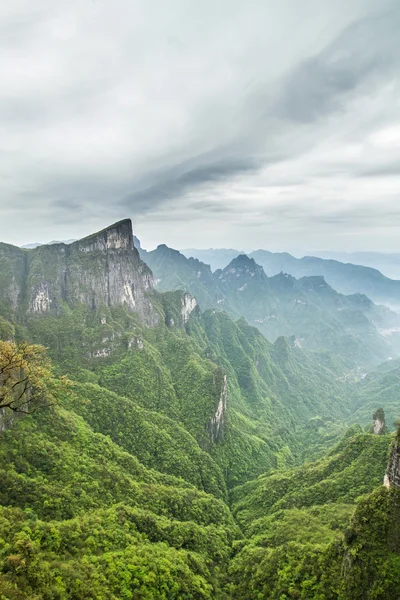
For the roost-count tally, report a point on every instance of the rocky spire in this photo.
(379, 426)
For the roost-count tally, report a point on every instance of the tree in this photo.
(26, 378)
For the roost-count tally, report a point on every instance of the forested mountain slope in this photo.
(320, 318)
(83, 518)
(119, 483)
(94, 306)
(380, 387)
(308, 537)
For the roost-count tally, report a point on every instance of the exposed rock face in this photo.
(13, 265)
(379, 427)
(217, 421)
(103, 269)
(189, 303)
(392, 477)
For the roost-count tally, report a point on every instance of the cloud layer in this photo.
(251, 124)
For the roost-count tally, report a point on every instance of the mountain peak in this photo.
(241, 266)
(244, 262)
(116, 236)
(166, 251)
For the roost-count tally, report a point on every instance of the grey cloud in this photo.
(387, 170)
(317, 86)
(185, 177)
(312, 90)
(141, 113)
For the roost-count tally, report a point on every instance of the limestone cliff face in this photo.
(189, 303)
(103, 269)
(392, 477)
(217, 421)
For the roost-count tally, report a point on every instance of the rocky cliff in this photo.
(392, 477)
(379, 426)
(216, 425)
(103, 269)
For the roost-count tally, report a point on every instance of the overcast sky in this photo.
(251, 123)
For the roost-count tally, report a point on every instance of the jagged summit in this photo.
(243, 264)
(242, 260)
(117, 236)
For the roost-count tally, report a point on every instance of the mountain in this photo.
(173, 271)
(100, 270)
(83, 518)
(353, 327)
(217, 259)
(164, 459)
(93, 304)
(37, 244)
(346, 278)
(380, 387)
(386, 263)
(325, 530)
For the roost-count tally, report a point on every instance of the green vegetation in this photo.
(301, 532)
(157, 456)
(85, 519)
(381, 387)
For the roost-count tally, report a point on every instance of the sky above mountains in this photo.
(252, 124)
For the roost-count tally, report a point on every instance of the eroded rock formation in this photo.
(217, 421)
(392, 477)
(379, 427)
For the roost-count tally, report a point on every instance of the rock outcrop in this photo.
(379, 427)
(392, 477)
(103, 269)
(189, 303)
(217, 421)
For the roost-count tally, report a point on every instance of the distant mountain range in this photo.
(346, 278)
(388, 264)
(309, 309)
(136, 243)
(37, 244)
(216, 258)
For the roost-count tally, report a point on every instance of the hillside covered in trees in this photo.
(152, 449)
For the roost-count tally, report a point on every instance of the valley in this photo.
(192, 434)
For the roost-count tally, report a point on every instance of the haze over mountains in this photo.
(372, 274)
(307, 308)
(345, 278)
(385, 262)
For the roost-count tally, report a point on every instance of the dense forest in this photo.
(150, 449)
